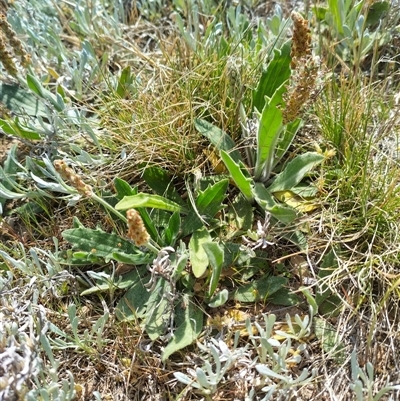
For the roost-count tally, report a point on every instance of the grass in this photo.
(314, 322)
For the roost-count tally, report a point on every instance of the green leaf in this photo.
(331, 344)
(149, 223)
(337, 10)
(126, 281)
(266, 201)
(328, 302)
(124, 82)
(286, 138)
(240, 214)
(161, 183)
(269, 131)
(132, 259)
(220, 139)
(20, 101)
(284, 297)
(123, 188)
(242, 181)
(10, 168)
(260, 289)
(276, 73)
(219, 299)
(295, 171)
(215, 255)
(198, 255)
(376, 12)
(189, 319)
(210, 201)
(103, 245)
(147, 200)
(36, 86)
(172, 230)
(132, 305)
(158, 309)
(16, 129)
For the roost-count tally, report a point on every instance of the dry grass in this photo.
(358, 221)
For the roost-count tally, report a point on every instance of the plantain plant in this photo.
(283, 89)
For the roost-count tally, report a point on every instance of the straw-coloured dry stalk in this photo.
(14, 48)
(136, 230)
(76, 181)
(304, 70)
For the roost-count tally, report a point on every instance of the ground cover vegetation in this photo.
(199, 200)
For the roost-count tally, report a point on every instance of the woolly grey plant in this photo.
(270, 370)
(206, 378)
(363, 382)
(259, 239)
(23, 347)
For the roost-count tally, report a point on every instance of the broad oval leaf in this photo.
(147, 200)
(295, 171)
(198, 255)
(189, 319)
(220, 139)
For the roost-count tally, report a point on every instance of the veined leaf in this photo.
(243, 182)
(198, 255)
(132, 306)
(123, 188)
(209, 201)
(147, 200)
(220, 139)
(14, 128)
(161, 183)
(158, 309)
(269, 131)
(276, 73)
(215, 255)
(295, 171)
(122, 283)
(172, 230)
(21, 101)
(286, 139)
(103, 245)
(264, 198)
(259, 289)
(189, 319)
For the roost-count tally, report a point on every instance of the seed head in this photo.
(304, 70)
(136, 230)
(7, 34)
(76, 181)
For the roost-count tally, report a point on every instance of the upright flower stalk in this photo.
(10, 45)
(304, 70)
(136, 230)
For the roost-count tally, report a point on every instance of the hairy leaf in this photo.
(220, 139)
(103, 245)
(189, 319)
(198, 255)
(147, 200)
(295, 171)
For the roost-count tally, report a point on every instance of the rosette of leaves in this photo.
(260, 175)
